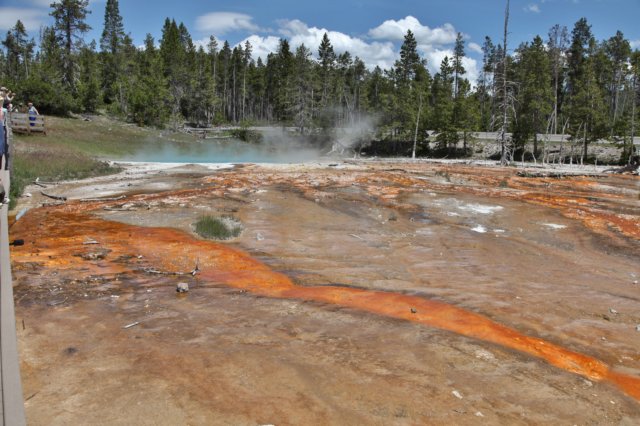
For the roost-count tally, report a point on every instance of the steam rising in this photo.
(278, 145)
(350, 140)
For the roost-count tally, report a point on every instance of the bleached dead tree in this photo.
(415, 134)
(506, 96)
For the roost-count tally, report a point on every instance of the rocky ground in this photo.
(366, 292)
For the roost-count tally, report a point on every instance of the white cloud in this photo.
(396, 30)
(635, 44)
(532, 7)
(475, 47)
(262, 46)
(435, 58)
(223, 22)
(41, 3)
(382, 50)
(47, 3)
(433, 43)
(297, 32)
(31, 18)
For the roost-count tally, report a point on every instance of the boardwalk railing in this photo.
(24, 123)
(12, 407)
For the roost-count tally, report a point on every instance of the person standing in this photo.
(33, 113)
(3, 133)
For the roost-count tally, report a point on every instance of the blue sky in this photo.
(370, 29)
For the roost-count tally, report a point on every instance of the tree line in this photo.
(567, 83)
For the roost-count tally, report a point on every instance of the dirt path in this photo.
(357, 294)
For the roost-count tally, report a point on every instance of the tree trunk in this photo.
(415, 134)
(583, 157)
(633, 118)
(503, 156)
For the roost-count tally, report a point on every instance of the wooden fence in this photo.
(23, 123)
(12, 404)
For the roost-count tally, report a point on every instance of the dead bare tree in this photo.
(506, 96)
(634, 99)
(558, 41)
(415, 134)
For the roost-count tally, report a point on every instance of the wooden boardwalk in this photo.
(22, 123)
(12, 407)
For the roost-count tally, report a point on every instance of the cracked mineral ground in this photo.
(364, 292)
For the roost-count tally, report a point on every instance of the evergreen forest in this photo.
(564, 81)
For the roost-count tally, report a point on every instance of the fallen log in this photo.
(556, 175)
(193, 272)
(54, 197)
(632, 167)
(89, 200)
(116, 209)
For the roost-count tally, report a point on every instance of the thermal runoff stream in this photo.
(541, 267)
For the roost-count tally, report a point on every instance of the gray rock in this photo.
(182, 288)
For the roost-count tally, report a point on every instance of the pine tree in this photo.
(283, 84)
(442, 95)
(69, 24)
(458, 68)
(113, 32)
(327, 58)
(485, 85)
(301, 106)
(45, 84)
(459, 100)
(149, 104)
(409, 70)
(586, 100)
(618, 51)
(173, 54)
(409, 59)
(19, 53)
(111, 45)
(535, 94)
(89, 86)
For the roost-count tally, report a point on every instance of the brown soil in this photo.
(367, 293)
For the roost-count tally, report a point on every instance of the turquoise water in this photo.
(226, 151)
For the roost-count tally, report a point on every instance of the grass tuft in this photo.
(218, 228)
(49, 164)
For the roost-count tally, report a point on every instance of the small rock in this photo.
(27, 194)
(485, 355)
(182, 288)
(457, 394)
(638, 327)
(587, 382)
(613, 311)
(414, 310)
(259, 237)
(479, 414)
(93, 256)
(635, 282)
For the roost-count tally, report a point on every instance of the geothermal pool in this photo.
(227, 151)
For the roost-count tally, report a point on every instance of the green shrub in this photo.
(219, 228)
